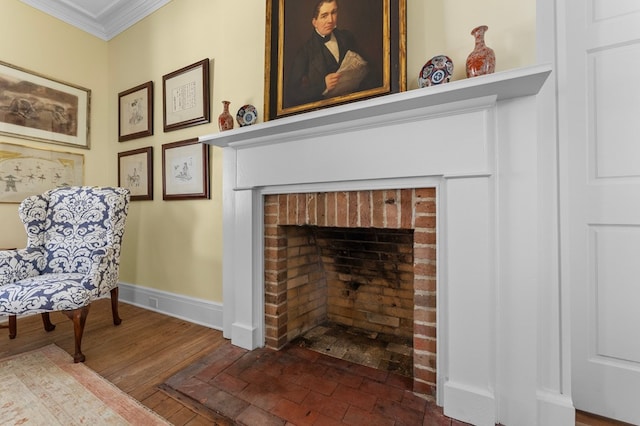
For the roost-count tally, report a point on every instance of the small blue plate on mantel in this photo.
(437, 70)
(247, 115)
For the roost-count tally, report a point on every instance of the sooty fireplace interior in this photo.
(365, 259)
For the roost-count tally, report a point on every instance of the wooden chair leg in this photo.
(79, 318)
(46, 320)
(114, 306)
(13, 326)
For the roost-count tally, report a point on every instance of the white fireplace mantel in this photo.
(503, 85)
(477, 141)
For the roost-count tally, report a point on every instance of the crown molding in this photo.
(108, 22)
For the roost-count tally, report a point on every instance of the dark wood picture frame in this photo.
(135, 112)
(135, 172)
(34, 106)
(186, 97)
(378, 26)
(185, 170)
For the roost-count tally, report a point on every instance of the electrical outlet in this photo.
(153, 302)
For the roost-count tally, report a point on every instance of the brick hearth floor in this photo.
(373, 349)
(298, 386)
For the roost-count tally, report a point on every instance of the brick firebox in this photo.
(287, 311)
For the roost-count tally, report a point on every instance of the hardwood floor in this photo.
(587, 419)
(142, 352)
(136, 356)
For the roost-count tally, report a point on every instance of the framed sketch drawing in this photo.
(135, 112)
(135, 172)
(40, 108)
(186, 96)
(324, 53)
(185, 170)
(26, 171)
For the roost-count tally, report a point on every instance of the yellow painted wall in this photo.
(34, 41)
(175, 246)
(444, 27)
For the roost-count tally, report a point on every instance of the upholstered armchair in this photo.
(74, 236)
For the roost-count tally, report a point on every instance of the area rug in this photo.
(45, 387)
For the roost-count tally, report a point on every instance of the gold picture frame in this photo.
(375, 28)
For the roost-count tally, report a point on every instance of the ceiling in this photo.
(102, 18)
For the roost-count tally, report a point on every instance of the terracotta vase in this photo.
(482, 60)
(225, 120)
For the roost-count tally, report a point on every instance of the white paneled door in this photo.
(599, 81)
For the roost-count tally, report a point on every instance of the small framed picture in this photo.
(135, 112)
(185, 170)
(135, 172)
(186, 96)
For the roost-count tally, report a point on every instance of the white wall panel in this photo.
(610, 23)
(615, 111)
(607, 9)
(616, 291)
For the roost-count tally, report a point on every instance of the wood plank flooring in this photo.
(142, 353)
(136, 356)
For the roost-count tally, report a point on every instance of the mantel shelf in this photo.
(504, 85)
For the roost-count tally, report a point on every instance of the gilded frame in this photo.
(380, 24)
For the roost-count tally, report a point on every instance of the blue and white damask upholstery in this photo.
(74, 236)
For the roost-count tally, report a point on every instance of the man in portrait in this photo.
(328, 64)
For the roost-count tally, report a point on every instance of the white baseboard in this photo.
(469, 404)
(244, 336)
(198, 311)
(555, 409)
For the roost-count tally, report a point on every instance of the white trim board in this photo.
(197, 311)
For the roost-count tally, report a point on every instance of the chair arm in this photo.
(16, 265)
(103, 273)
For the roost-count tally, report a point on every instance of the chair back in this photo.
(69, 224)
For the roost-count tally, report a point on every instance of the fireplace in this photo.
(473, 146)
(379, 248)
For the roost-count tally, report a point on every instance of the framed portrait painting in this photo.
(135, 112)
(33, 106)
(328, 52)
(185, 170)
(135, 172)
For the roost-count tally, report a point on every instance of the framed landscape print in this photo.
(342, 52)
(186, 96)
(26, 171)
(135, 112)
(185, 170)
(135, 172)
(40, 108)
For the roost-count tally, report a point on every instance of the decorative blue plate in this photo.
(247, 115)
(436, 71)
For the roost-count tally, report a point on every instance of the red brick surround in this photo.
(388, 209)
